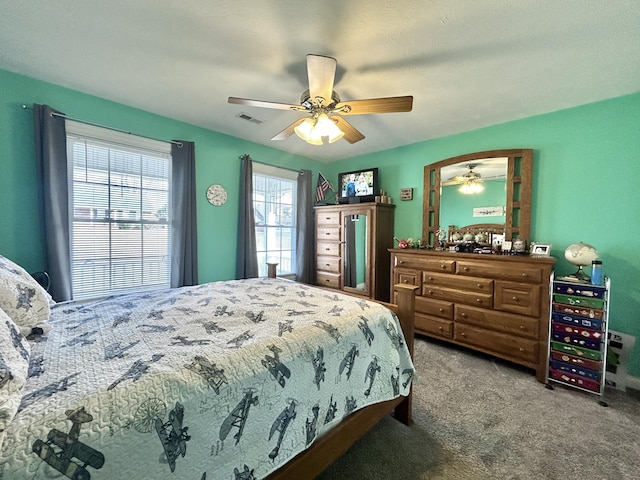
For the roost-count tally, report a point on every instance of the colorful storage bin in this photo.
(579, 321)
(578, 331)
(576, 350)
(579, 290)
(575, 380)
(584, 302)
(574, 370)
(578, 361)
(574, 340)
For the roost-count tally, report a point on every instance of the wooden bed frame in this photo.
(331, 445)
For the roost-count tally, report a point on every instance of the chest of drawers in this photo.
(495, 304)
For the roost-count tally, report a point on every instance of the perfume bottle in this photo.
(596, 273)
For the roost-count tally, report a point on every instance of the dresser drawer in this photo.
(328, 234)
(328, 264)
(327, 279)
(408, 276)
(425, 263)
(501, 322)
(515, 272)
(437, 308)
(327, 218)
(517, 298)
(458, 296)
(480, 285)
(328, 248)
(433, 326)
(516, 348)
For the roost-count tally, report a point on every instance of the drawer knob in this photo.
(327, 264)
(479, 285)
(405, 281)
(463, 315)
(522, 349)
(478, 300)
(401, 262)
(440, 328)
(466, 269)
(430, 279)
(327, 249)
(327, 233)
(443, 266)
(522, 327)
(463, 334)
(442, 310)
(524, 274)
(430, 292)
(515, 299)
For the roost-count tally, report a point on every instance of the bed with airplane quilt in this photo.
(225, 380)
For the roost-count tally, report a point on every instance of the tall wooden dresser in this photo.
(495, 304)
(355, 235)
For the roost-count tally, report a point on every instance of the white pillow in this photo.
(14, 368)
(21, 297)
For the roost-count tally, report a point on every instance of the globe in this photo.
(581, 254)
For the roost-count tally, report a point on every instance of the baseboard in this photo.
(633, 382)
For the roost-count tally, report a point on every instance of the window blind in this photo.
(120, 231)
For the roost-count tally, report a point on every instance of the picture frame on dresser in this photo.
(540, 249)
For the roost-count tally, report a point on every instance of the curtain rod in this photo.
(66, 117)
(300, 170)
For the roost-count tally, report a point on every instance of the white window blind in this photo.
(274, 201)
(119, 190)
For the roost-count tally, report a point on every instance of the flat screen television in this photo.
(358, 186)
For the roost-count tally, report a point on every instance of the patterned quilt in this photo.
(225, 380)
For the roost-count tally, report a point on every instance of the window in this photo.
(119, 195)
(274, 203)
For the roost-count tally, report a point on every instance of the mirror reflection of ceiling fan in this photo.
(325, 109)
(471, 176)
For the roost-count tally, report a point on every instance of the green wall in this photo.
(586, 168)
(585, 188)
(217, 161)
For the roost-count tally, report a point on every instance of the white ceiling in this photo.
(468, 63)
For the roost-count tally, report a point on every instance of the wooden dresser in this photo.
(492, 303)
(356, 236)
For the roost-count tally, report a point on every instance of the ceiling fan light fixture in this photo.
(317, 131)
(471, 187)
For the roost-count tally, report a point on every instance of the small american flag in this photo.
(321, 188)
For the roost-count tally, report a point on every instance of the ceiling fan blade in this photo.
(287, 132)
(375, 105)
(263, 104)
(351, 134)
(321, 71)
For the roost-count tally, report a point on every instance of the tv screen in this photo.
(358, 186)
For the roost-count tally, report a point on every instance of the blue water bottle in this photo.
(596, 273)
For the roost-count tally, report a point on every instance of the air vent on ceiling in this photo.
(249, 118)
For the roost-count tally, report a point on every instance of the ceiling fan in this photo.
(467, 177)
(325, 108)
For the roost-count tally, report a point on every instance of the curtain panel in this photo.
(184, 243)
(247, 258)
(305, 233)
(51, 162)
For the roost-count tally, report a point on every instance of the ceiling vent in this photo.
(249, 118)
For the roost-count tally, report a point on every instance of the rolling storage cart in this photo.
(578, 331)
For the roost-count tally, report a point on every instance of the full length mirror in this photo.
(491, 189)
(355, 266)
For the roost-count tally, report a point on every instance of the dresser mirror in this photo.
(355, 266)
(505, 177)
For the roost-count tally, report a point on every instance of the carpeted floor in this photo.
(480, 418)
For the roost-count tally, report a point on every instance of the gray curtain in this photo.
(247, 260)
(51, 162)
(305, 234)
(184, 241)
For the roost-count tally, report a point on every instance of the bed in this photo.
(259, 378)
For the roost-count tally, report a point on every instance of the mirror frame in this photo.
(518, 201)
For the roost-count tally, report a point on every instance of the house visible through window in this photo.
(120, 231)
(274, 201)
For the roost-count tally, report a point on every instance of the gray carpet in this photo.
(480, 418)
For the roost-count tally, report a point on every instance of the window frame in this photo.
(282, 175)
(137, 275)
